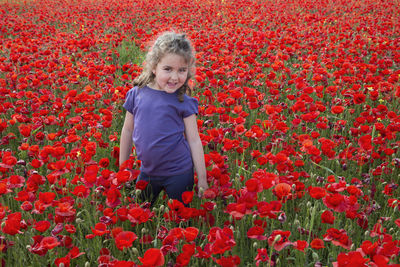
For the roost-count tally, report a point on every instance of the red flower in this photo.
(125, 239)
(141, 184)
(187, 197)
(359, 98)
(283, 191)
(12, 224)
(262, 256)
(100, 229)
(337, 202)
(49, 242)
(229, 261)
(353, 258)
(338, 237)
(316, 192)
(317, 243)
(337, 109)
(368, 247)
(365, 142)
(327, 217)
(256, 232)
(190, 233)
(42, 226)
(279, 239)
(300, 245)
(90, 175)
(152, 258)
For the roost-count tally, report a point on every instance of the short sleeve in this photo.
(191, 107)
(130, 100)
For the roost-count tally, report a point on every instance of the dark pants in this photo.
(173, 185)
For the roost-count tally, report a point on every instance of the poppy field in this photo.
(299, 115)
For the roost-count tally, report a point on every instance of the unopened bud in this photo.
(135, 251)
(277, 238)
(315, 256)
(138, 192)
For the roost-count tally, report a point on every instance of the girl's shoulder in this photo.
(190, 98)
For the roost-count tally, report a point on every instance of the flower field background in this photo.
(299, 115)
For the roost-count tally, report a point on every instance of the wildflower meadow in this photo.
(299, 115)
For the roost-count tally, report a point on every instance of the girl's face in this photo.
(170, 73)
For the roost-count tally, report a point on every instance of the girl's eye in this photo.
(182, 70)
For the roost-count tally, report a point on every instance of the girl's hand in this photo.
(203, 186)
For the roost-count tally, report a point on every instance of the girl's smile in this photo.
(170, 73)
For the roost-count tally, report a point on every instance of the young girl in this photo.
(161, 121)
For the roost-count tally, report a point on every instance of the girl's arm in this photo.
(196, 148)
(125, 145)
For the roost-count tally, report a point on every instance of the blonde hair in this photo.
(168, 43)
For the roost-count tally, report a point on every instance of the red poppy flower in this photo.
(190, 233)
(141, 184)
(187, 197)
(257, 233)
(13, 224)
(90, 174)
(337, 202)
(353, 258)
(317, 243)
(262, 256)
(365, 142)
(153, 257)
(125, 239)
(283, 191)
(338, 237)
(300, 245)
(279, 239)
(337, 109)
(100, 229)
(316, 192)
(42, 226)
(359, 98)
(49, 242)
(327, 217)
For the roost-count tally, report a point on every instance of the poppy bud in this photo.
(135, 251)
(138, 192)
(255, 245)
(315, 256)
(162, 207)
(277, 238)
(87, 264)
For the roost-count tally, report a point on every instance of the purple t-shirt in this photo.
(158, 132)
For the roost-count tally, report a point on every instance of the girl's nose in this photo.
(174, 75)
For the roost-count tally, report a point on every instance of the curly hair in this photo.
(168, 43)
